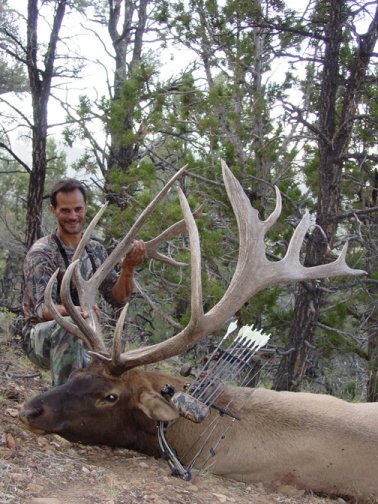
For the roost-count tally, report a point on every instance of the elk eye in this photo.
(111, 398)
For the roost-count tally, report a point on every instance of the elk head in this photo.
(105, 393)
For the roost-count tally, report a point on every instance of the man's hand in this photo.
(85, 314)
(125, 283)
(136, 256)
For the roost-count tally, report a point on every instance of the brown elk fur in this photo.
(313, 441)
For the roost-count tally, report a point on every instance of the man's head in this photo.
(66, 186)
(69, 206)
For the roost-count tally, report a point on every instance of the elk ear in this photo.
(156, 407)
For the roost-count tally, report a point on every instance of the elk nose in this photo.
(30, 412)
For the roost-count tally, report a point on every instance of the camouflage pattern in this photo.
(46, 343)
(51, 347)
(189, 407)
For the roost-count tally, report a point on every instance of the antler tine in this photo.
(125, 244)
(87, 234)
(294, 248)
(273, 217)
(167, 234)
(195, 252)
(88, 328)
(63, 321)
(117, 339)
(253, 273)
(336, 268)
(113, 363)
(291, 261)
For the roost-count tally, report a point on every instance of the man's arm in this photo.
(47, 315)
(38, 268)
(124, 286)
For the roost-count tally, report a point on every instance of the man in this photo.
(46, 343)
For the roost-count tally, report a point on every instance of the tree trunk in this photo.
(122, 153)
(37, 178)
(40, 92)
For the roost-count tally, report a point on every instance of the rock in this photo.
(261, 499)
(45, 500)
(156, 499)
(11, 442)
(290, 491)
(61, 442)
(43, 442)
(34, 488)
(19, 477)
(221, 497)
(6, 497)
(5, 453)
(12, 412)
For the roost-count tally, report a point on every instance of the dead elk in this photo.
(313, 441)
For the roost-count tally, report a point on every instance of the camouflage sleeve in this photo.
(38, 269)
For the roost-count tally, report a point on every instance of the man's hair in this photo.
(66, 186)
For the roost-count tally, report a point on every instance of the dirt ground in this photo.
(51, 470)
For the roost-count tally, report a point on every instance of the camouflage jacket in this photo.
(42, 260)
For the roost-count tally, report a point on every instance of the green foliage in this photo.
(14, 186)
(335, 342)
(352, 390)
(13, 75)
(12, 78)
(337, 316)
(134, 91)
(264, 303)
(374, 275)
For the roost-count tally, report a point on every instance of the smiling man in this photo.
(46, 343)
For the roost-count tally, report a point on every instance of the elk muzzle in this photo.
(35, 416)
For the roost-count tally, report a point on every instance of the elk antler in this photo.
(88, 335)
(90, 329)
(253, 273)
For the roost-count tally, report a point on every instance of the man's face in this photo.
(70, 211)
